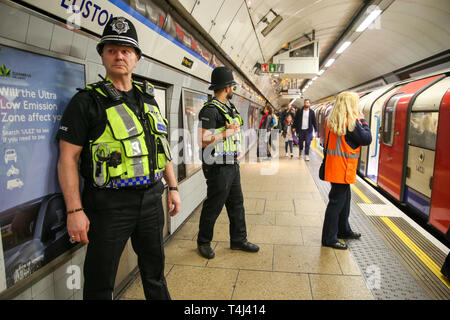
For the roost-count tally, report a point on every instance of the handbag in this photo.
(322, 166)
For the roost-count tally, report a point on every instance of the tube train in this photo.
(409, 157)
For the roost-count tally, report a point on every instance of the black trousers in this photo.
(304, 136)
(115, 216)
(337, 213)
(224, 188)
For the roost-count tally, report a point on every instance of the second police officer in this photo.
(116, 129)
(221, 141)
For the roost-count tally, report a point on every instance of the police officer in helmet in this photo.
(220, 124)
(116, 129)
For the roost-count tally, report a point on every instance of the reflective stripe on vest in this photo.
(341, 161)
(124, 138)
(127, 128)
(337, 151)
(231, 145)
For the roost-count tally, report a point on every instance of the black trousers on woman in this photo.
(337, 213)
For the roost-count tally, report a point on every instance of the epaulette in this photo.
(106, 89)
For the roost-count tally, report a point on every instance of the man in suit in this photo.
(304, 123)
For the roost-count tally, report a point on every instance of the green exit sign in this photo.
(272, 68)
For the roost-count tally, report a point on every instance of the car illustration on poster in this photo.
(14, 183)
(33, 234)
(10, 155)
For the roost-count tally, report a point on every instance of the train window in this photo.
(388, 125)
(192, 104)
(423, 129)
(148, 9)
(305, 51)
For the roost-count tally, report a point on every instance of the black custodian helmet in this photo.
(119, 31)
(221, 77)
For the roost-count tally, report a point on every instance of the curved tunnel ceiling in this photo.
(407, 31)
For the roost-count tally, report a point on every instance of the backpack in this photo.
(274, 121)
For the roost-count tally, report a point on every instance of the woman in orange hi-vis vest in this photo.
(346, 131)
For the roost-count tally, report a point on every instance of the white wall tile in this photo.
(79, 46)
(61, 290)
(61, 40)
(13, 23)
(39, 33)
(92, 54)
(43, 285)
(25, 295)
(48, 294)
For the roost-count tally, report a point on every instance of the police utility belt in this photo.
(133, 150)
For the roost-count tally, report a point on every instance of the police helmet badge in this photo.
(119, 31)
(120, 26)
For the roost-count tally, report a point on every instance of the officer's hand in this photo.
(232, 128)
(173, 202)
(78, 226)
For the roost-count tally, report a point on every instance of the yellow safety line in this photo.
(370, 181)
(361, 195)
(417, 251)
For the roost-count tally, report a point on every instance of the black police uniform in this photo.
(222, 177)
(223, 185)
(115, 215)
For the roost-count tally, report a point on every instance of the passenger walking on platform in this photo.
(289, 110)
(263, 147)
(116, 129)
(288, 135)
(304, 123)
(221, 141)
(346, 131)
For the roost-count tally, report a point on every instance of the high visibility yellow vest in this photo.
(131, 150)
(232, 145)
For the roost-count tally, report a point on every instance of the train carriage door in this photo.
(362, 163)
(375, 124)
(422, 136)
(440, 194)
(391, 148)
(394, 128)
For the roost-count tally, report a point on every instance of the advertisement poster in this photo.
(34, 91)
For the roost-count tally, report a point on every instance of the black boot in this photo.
(206, 251)
(244, 246)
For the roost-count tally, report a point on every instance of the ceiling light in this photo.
(314, 78)
(329, 63)
(344, 46)
(321, 71)
(370, 18)
(272, 24)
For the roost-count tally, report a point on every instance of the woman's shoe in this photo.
(337, 245)
(353, 235)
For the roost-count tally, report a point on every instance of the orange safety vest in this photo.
(342, 160)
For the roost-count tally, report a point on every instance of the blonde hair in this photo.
(344, 113)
